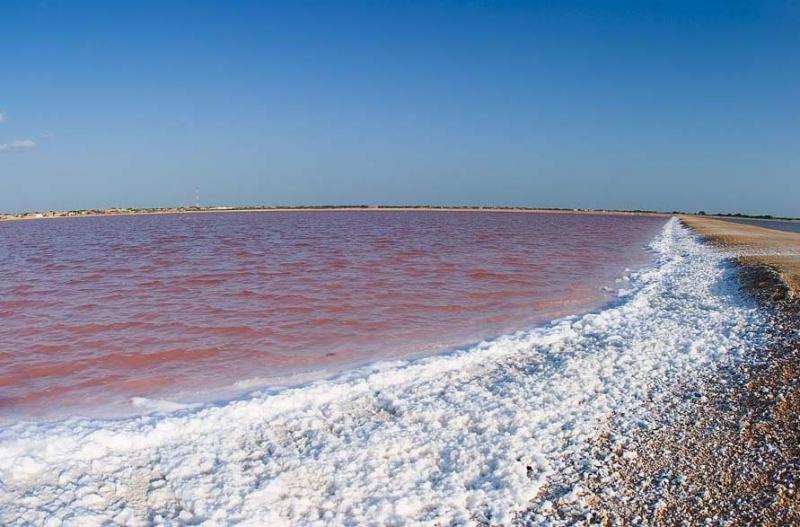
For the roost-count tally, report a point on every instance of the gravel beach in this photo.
(727, 448)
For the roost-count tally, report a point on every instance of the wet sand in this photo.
(728, 452)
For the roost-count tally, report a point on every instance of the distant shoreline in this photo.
(143, 211)
(322, 208)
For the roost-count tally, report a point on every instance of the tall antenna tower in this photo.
(197, 197)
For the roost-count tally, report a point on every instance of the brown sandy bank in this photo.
(725, 448)
(776, 250)
(730, 456)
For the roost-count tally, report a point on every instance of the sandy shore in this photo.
(728, 452)
(776, 250)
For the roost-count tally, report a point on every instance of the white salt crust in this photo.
(456, 439)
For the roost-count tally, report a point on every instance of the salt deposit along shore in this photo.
(755, 247)
(672, 405)
(728, 449)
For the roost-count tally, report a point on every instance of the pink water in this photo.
(95, 311)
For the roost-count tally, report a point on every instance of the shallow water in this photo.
(96, 311)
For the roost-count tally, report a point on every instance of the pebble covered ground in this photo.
(724, 450)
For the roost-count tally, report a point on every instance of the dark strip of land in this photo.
(311, 208)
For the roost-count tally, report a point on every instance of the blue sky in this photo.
(659, 105)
